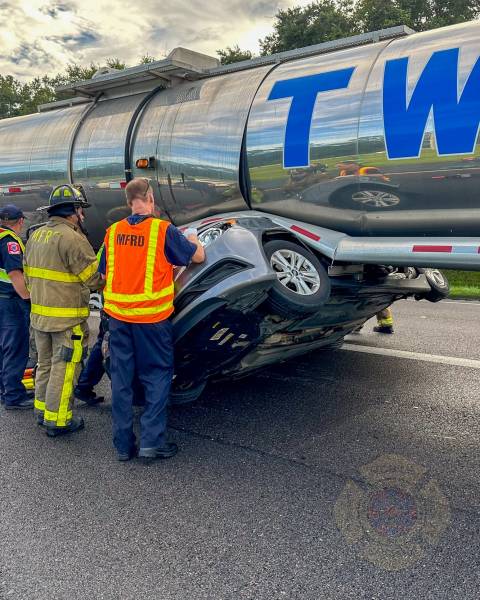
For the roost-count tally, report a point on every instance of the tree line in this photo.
(327, 20)
(320, 21)
(22, 98)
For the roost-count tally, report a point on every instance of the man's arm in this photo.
(199, 255)
(18, 282)
(181, 251)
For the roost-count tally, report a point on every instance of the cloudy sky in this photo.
(42, 36)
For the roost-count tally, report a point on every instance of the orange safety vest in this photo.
(139, 279)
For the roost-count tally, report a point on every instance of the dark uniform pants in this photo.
(14, 331)
(94, 369)
(144, 349)
(60, 356)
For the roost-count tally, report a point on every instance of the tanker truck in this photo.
(326, 183)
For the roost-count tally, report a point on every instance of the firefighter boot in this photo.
(383, 329)
(75, 425)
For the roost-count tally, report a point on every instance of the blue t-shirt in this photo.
(11, 259)
(178, 250)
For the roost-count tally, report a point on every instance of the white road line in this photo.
(434, 358)
(467, 302)
(470, 302)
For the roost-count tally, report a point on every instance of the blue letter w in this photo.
(456, 121)
(303, 92)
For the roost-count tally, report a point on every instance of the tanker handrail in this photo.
(389, 33)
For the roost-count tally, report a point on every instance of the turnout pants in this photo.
(14, 323)
(385, 318)
(60, 356)
(145, 350)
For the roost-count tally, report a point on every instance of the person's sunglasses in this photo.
(148, 188)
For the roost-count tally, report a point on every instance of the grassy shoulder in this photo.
(464, 284)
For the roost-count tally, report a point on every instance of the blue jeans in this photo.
(145, 350)
(14, 335)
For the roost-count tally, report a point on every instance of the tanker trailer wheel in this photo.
(302, 285)
(439, 284)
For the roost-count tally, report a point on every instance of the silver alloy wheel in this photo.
(295, 272)
(376, 198)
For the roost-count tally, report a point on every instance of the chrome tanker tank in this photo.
(371, 136)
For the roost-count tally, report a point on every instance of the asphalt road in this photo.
(338, 475)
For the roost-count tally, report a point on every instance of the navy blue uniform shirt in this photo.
(178, 250)
(11, 259)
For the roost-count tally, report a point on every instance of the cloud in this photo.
(55, 8)
(32, 55)
(42, 36)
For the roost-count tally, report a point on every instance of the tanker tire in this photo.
(283, 299)
(439, 284)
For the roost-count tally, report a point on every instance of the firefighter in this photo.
(61, 269)
(138, 260)
(14, 311)
(384, 321)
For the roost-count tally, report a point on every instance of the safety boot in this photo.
(88, 396)
(148, 455)
(126, 456)
(383, 329)
(22, 405)
(74, 425)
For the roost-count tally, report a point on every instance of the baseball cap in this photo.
(10, 212)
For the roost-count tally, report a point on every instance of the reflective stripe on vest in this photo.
(6, 232)
(134, 303)
(4, 278)
(146, 310)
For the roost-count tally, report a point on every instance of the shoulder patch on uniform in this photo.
(14, 248)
